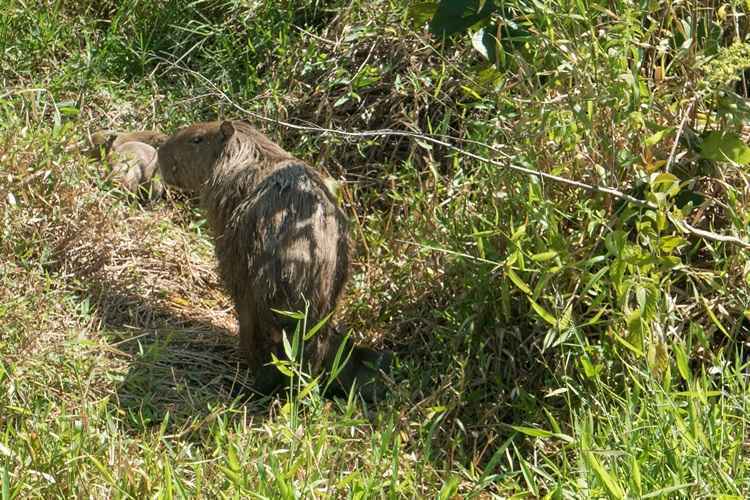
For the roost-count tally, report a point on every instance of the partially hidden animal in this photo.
(281, 242)
(132, 157)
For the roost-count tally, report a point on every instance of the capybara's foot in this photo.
(366, 368)
(269, 380)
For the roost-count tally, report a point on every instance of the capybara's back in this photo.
(280, 238)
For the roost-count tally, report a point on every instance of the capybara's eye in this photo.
(197, 139)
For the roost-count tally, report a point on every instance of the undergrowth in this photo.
(551, 341)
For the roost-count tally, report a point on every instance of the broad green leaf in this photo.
(421, 12)
(595, 318)
(449, 489)
(589, 369)
(664, 492)
(635, 475)
(657, 357)
(552, 420)
(682, 361)
(489, 78)
(665, 183)
(232, 460)
(658, 136)
(566, 318)
(281, 366)
(290, 352)
(485, 42)
(6, 484)
(544, 256)
(637, 351)
(496, 457)
(610, 483)
(312, 384)
(713, 318)
(615, 242)
(519, 232)
(471, 92)
(168, 481)
(290, 314)
(505, 300)
(320, 324)
(546, 316)
(541, 433)
(702, 395)
(532, 431)
(636, 329)
(104, 470)
(669, 243)
(725, 146)
(516, 279)
(528, 476)
(456, 16)
(234, 476)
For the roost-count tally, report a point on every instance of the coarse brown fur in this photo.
(104, 141)
(133, 166)
(132, 159)
(281, 241)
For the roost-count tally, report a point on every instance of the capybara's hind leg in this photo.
(248, 334)
(268, 379)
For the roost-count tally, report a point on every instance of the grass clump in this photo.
(552, 342)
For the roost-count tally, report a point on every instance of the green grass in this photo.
(551, 342)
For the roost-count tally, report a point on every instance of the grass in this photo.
(551, 342)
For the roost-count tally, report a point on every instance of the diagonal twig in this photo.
(443, 140)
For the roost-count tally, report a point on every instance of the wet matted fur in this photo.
(281, 241)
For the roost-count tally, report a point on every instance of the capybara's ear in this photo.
(227, 129)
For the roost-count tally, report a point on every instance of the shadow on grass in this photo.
(471, 374)
(181, 365)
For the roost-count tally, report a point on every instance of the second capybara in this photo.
(104, 141)
(281, 243)
(133, 166)
(132, 158)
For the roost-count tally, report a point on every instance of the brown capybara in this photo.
(104, 141)
(133, 166)
(281, 243)
(132, 158)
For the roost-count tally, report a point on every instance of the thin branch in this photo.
(21, 91)
(427, 138)
(679, 132)
(709, 235)
(442, 140)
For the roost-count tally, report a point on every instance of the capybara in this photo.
(281, 242)
(133, 166)
(104, 141)
(132, 158)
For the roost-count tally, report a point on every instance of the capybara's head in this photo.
(187, 159)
